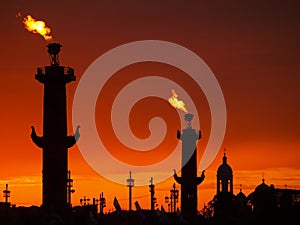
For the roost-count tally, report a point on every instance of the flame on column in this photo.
(36, 26)
(176, 103)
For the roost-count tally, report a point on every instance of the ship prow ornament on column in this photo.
(55, 141)
(189, 180)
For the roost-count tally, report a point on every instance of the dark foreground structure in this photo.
(55, 142)
(189, 180)
(266, 205)
(87, 215)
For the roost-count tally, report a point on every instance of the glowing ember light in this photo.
(18, 15)
(37, 27)
(176, 103)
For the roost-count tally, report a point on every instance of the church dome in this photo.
(262, 186)
(241, 196)
(224, 170)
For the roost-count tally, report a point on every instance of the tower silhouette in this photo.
(189, 180)
(55, 142)
(226, 205)
(224, 177)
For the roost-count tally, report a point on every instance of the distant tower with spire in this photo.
(224, 177)
(226, 204)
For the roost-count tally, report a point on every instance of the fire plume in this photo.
(37, 27)
(176, 103)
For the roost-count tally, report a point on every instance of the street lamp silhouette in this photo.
(6, 193)
(130, 184)
(102, 203)
(174, 193)
(69, 186)
(152, 192)
(84, 201)
(167, 198)
(173, 199)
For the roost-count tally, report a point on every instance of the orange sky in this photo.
(252, 48)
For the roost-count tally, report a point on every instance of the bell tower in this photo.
(224, 177)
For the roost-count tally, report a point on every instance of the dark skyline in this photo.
(252, 48)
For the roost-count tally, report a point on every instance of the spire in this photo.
(263, 177)
(224, 157)
(151, 181)
(240, 187)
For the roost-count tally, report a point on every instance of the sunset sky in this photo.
(252, 47)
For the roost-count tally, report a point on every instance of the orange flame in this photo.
(37, 27)
(176, 103)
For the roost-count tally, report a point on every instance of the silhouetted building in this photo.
(243, 213)
(224, 178)
(225, 205)
(263, 203)
(275, 206)
(189, 179)
(226, 208)
(55, 142)
(288, 203)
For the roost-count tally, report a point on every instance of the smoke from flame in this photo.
(37, 27)
(176, 103)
